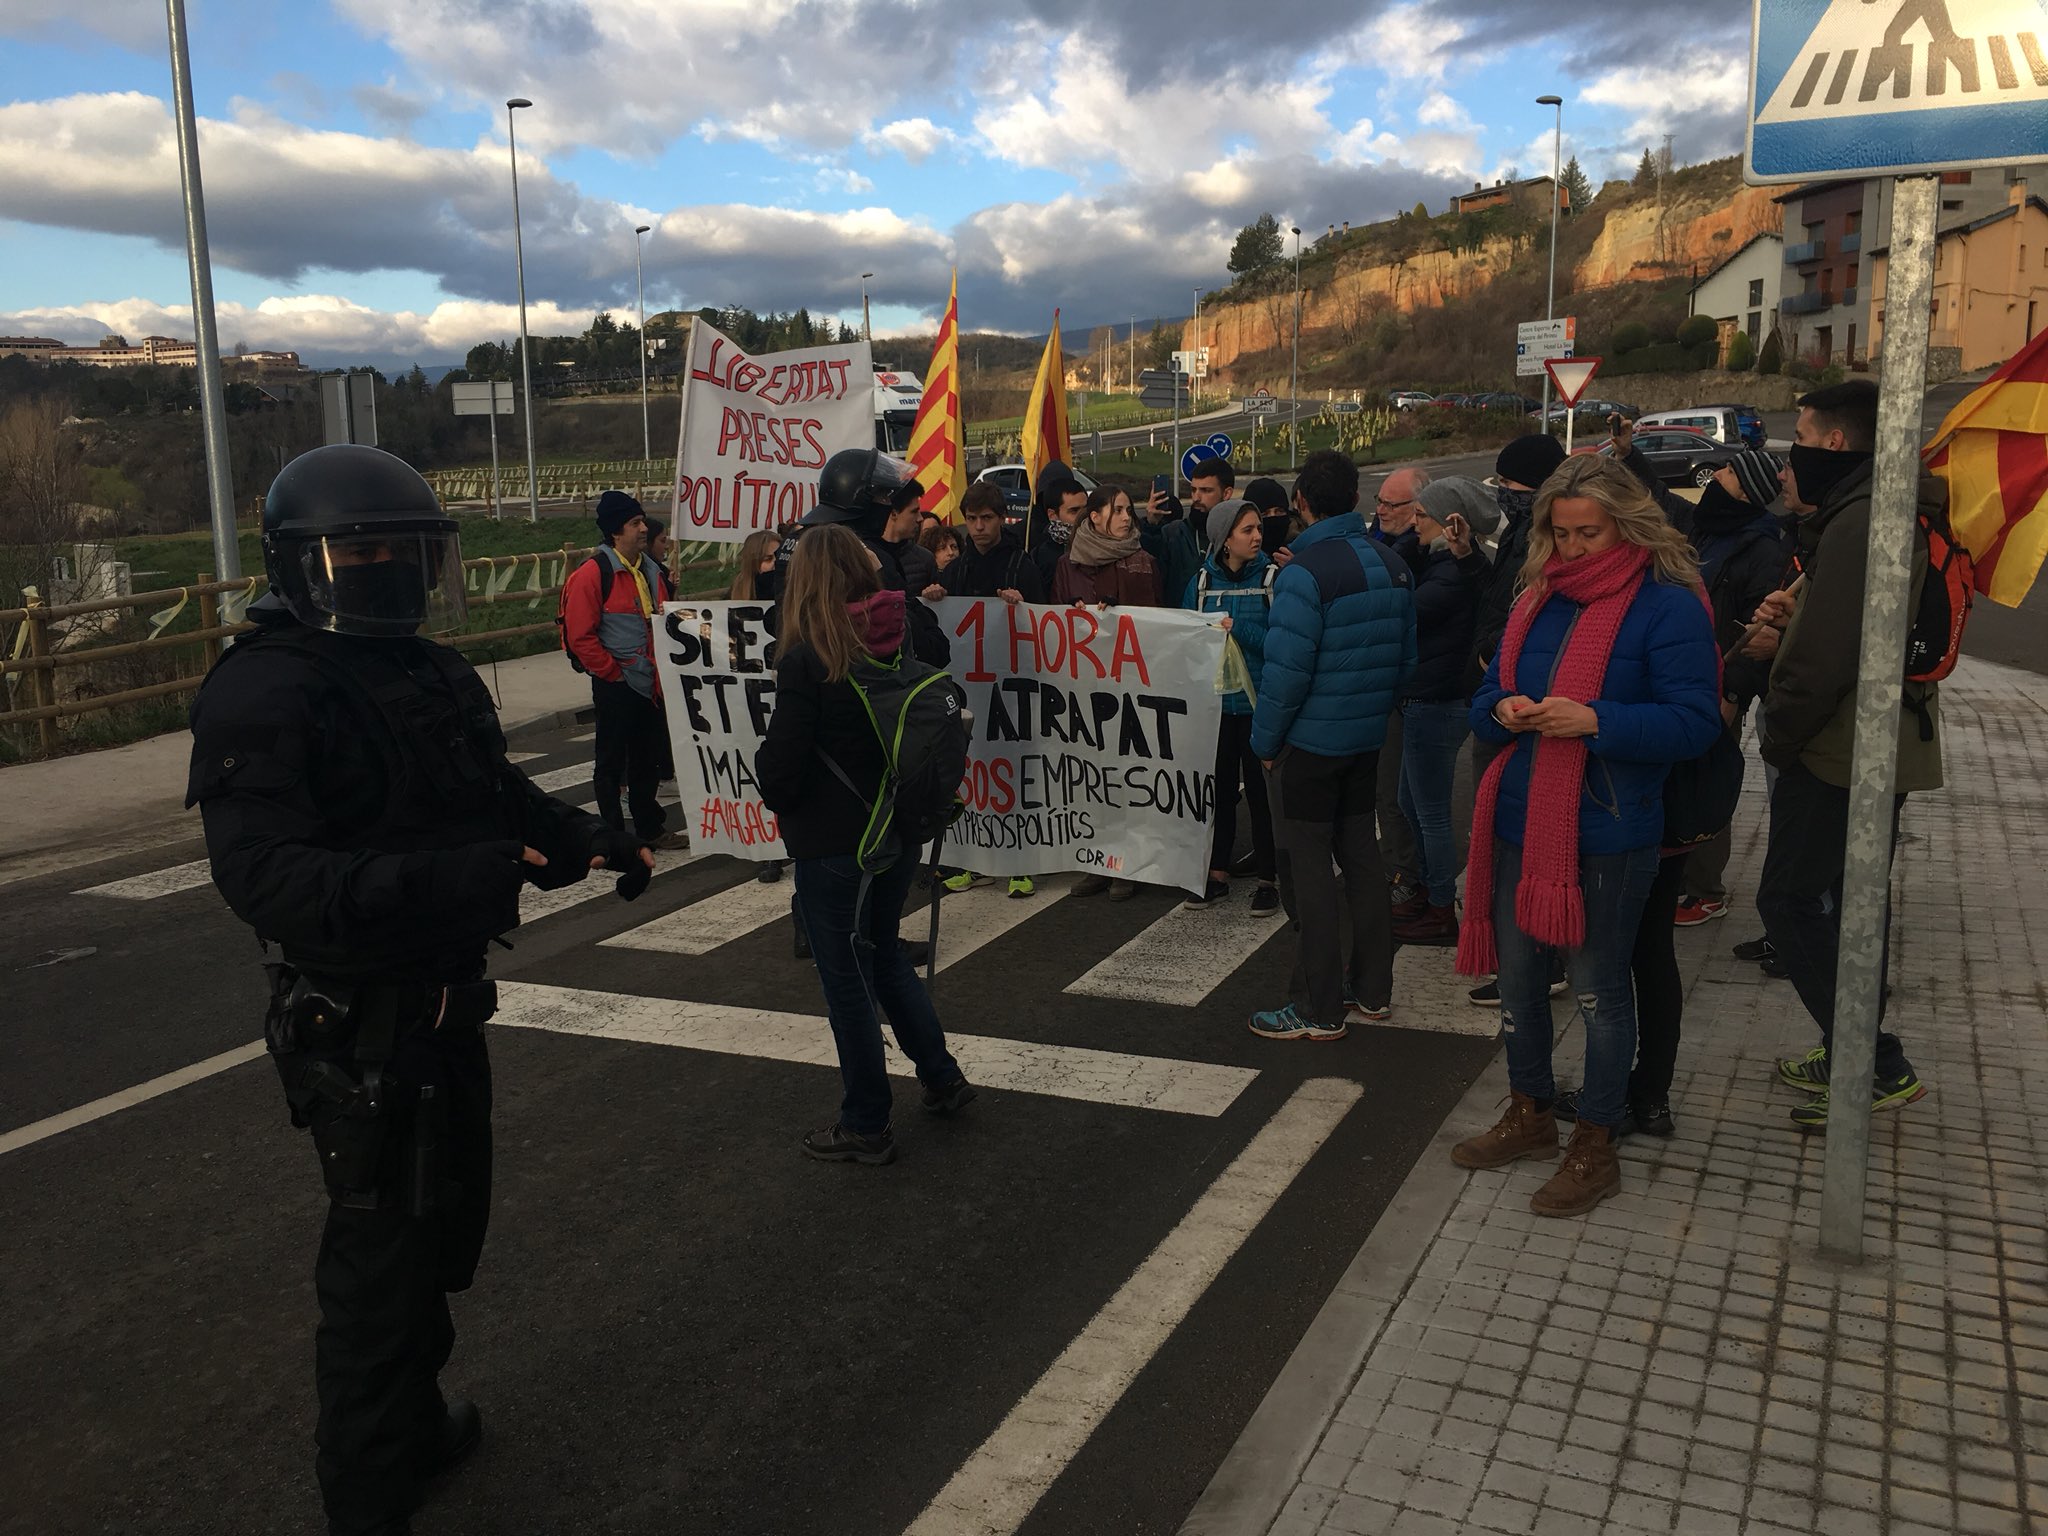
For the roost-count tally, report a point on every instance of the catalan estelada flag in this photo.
(1045, 417)
(938, 449)
(1993, 452)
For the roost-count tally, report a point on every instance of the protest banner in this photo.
(756, 431)
(1094, 735)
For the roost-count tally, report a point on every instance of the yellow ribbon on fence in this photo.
(162, 620)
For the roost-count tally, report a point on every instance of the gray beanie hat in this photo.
(1222, 518)
(1471, 500)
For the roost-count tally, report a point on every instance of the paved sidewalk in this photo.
(1683, 1360)
(130, 798)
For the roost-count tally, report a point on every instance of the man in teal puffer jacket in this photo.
(1340, 642)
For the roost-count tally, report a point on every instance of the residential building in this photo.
(1990, 287)
(1533, 191)
(35, 347)
(1742, 293)
(1828, 227)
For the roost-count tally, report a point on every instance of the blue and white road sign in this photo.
(1895, 87)
(1217, 447)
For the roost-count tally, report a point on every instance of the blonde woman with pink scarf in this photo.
(1607, 675)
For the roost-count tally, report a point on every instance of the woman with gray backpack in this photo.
(853, 814)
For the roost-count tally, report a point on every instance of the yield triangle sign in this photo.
(1571, 375)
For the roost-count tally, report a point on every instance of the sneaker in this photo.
(1020, 885)
(1122, 890)
(1885, 1093)
(1265, 900)
(770, 872)
(1212, 893)
(956, 1095)
(1558, 980)
(966, 880)
(1485, 995)
(1773, 966)
(1808, 1073)
(1753, 950)
(1091, 885)
(1356, 1012)
(1693, 914)
(1287, 1024)
(836, 1144)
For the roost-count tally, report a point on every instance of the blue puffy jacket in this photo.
(1659, 704)
(1246, 597)
(1339, 644)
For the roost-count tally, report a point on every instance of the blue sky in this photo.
(1096, 158)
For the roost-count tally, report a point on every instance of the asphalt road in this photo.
(680, 1324)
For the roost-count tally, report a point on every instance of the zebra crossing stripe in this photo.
(705, 925)
(535, 903)
(158, 882)
(1002, 1482)
(1022, 1066)
(562, 778)
(1182, 957)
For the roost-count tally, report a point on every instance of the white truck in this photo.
(897, 396)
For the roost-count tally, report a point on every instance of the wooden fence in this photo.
(558, 482)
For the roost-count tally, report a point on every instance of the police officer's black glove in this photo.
(622, 851)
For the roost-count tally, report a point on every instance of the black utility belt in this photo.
(310, 1012)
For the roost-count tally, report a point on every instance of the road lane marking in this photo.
(158, 882)
(127, 1098)
(1002, 1482)
(535, 903)
(1058, 1071)
(1182, 957)
(705, 925)
(586, 736)
(562, 778)
(523, 757)
(973, 918)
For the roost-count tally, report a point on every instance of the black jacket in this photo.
(1447, 596)
(1497, 589)
(974, 574)
(1677, 510)
(359, 810)
(1742, 557)
(919, 565)
(818, 815)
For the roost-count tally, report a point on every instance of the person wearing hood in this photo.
(1057, 505)
(1236, 581)
(1809, 730)
(1276, 515)
(1518, 470)
(1105, 562)
(836, 612)
(1450, 571)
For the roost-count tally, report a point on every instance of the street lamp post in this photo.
(640, 296)
(1195, 387)
(1294, 376)
(1556, 172)
(525, 345)
(867, 329)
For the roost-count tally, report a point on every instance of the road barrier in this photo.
(557, 482)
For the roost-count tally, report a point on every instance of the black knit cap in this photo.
(1530, 460)
(1267, 495)
(615, 509)
(1756, 471)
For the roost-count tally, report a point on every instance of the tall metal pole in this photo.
(525, 344)
(1866, 871)
(1556, 171)
(1195, 388)
(1134, 354)
(640, 294)
(220, 484)
(867, 329)
(1294, 377)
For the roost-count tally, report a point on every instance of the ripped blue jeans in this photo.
(1615, 886)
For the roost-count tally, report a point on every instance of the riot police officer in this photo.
(361, 816)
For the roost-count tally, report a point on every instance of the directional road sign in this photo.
(1346, 407)
(1160, 389)
(1571, 375)
(1887, 87)
(1537, 339)
(1217, 447)
(483, 399)
(1194, 362)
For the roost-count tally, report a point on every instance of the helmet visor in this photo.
(384, 583)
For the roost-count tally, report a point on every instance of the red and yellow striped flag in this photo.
(1993, 452)
(1045, 417)
(938, 446)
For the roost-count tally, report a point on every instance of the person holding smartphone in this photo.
(1450, 574)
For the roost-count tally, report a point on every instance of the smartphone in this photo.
(1273, 532)
(1162, 483)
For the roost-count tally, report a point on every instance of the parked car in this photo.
(1596, 411)
(1409, 399)
(1521, 405)
(1455, 401)
(1014, 481)
(1723, 423)
(1678, 457)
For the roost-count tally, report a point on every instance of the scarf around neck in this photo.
(1092, 548)
(1549, 905)
(880, 620)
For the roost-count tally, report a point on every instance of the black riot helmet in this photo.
(858, 485)
(355, 542)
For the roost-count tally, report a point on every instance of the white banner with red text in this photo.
(757, 430)
(1094, 735)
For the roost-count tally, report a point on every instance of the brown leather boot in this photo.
(1524, 1131)
(1432, 926)
(1408, 911)
(1590, 1173)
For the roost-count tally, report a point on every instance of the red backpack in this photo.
(604, 595)
(1936, 637)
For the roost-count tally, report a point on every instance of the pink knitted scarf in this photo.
(1549, 906)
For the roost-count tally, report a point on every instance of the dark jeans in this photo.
(630, 735)
(1235, 765)
(1432, 730)
(1660, 991)
(1614, 887)
(382, 1277)
(1799, 898)
(861, 966)
(1323, 812)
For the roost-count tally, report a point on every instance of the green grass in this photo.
(1140, 463)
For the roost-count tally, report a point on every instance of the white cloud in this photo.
(1439, 110)
(1662, 97)
(141, 27)
(914, 138)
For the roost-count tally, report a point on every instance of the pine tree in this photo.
(1577, 188)
(1258, 246)
(1646, 172)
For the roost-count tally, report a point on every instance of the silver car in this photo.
(1716, 421)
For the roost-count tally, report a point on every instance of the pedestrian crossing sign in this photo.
(1895, 87)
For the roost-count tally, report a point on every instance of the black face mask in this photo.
(1817, 471)
(384, 591)
(1720, 510)
(1514, 505)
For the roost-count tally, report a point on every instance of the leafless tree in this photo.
(42, 488)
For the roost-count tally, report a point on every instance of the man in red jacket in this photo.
(608, 626)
